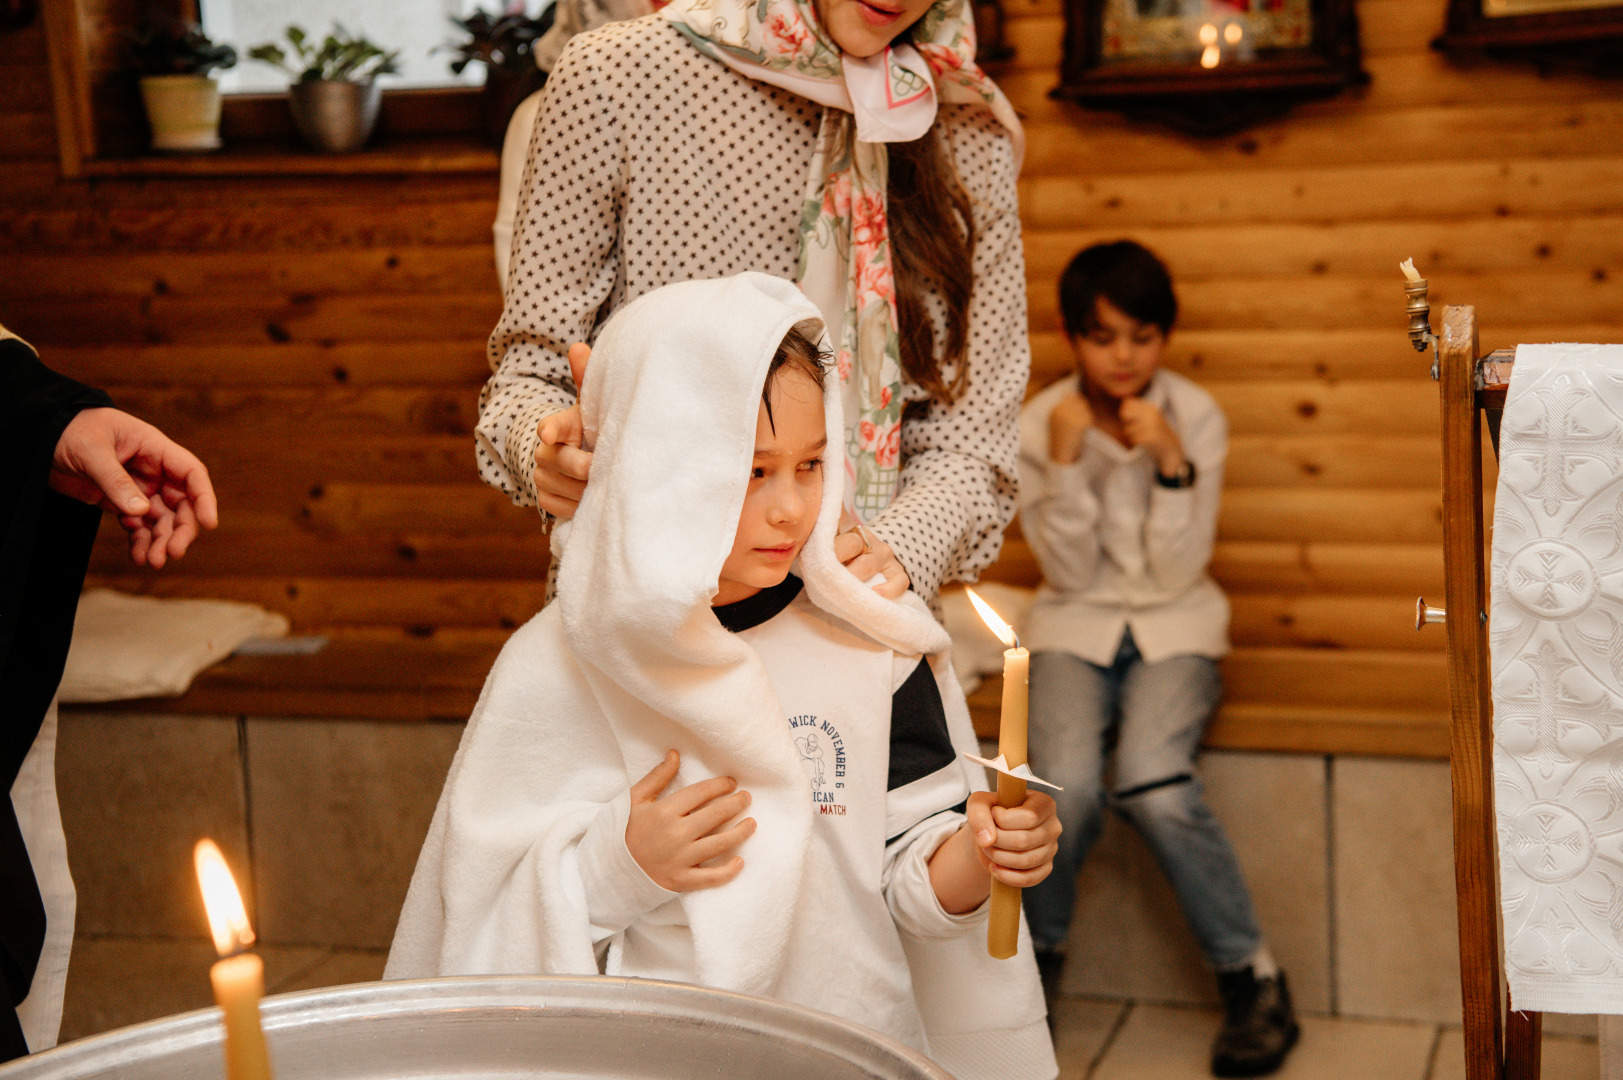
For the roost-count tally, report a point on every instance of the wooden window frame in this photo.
(101, 126)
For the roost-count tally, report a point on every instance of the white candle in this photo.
(1003, 922)
(239, 977)
(1409, 272)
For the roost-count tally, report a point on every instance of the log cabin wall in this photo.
(319, 341)
(1507, 188)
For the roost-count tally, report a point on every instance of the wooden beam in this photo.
(1471, 710)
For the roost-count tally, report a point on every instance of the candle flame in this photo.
(228, 919)
(1003, 630)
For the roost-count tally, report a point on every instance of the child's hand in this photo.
(1068, 425)
(1017, 843)
(673, 837)
(1144, 426)
(561, 462)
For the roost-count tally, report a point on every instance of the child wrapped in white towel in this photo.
(594, 819)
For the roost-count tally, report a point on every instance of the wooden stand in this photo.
(1497, 1046)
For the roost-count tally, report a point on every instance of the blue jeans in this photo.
(1157, 713)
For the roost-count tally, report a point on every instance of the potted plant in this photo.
(333, 96)
(182, 100)
(505, 44)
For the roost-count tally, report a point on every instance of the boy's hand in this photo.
(1144, 426)
(561, 463)
(1068, 425)
(673, 837)
(1016, 843)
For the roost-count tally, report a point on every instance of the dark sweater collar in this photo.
(757, 609)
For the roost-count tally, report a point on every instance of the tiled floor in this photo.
(118, 981)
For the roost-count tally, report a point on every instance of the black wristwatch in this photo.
(1184, 478)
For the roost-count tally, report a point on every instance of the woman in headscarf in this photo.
(850, 146)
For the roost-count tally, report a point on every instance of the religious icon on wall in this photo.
(1582, 34)
(1165, 29)
(1208, 66)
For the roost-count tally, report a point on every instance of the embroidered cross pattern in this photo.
(1549, 711)
(1559, 439)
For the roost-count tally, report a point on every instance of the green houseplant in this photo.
(333, 96)
(174, 60)
(505, 44)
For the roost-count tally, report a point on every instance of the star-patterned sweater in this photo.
(651, 164)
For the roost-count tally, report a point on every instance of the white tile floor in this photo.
(119, 981)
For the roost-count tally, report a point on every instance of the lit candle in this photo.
(239, 977)
(1003, 925)
(1409, 272)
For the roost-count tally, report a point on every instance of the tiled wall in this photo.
(1349, 858)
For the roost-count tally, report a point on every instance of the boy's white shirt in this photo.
(630, 661)
(1117, 550)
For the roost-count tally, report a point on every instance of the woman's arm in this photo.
(565, 259)
(959, 477)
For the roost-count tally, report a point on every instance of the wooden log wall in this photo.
(1506, 187)
(319, 341)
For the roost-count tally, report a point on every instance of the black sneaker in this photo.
(1259, 1026)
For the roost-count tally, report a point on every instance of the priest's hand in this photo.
(156, 488)
(673, 837)
(562, 462)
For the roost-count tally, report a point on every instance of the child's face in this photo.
(785, 492)
(1119, 355)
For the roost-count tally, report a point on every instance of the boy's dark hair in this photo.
(1123, 272)
(798, 352)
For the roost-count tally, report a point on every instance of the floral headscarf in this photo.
(845, 264)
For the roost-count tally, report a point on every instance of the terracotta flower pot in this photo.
(184, 111)
(334, 116)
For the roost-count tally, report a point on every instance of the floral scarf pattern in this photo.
(845, 265)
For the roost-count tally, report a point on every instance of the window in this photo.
(416, 27)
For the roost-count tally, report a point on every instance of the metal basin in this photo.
(543, 1028)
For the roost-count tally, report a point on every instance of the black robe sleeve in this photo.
(44, 551)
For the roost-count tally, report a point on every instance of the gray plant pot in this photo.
(334, 116)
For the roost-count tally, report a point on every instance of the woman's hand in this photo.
(562, 463)
(157, 488)
(865, 555)
(1146, 426)
(1016, 844)
(673, 837)
(1068, 425)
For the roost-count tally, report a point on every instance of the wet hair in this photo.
(1125, 273)
(797, 351)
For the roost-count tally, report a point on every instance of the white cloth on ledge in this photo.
(127, 647)
(1556, 634)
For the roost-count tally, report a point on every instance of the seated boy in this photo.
(592, 818)
(1121, 471)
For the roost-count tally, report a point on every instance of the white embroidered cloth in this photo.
(1556, 633)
